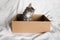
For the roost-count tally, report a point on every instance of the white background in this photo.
(9, 7)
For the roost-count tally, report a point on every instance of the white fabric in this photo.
(8, 8)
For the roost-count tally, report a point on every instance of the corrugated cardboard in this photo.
(35, 26)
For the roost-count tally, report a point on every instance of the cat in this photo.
(27, 14)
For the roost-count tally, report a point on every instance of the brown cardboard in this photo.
(35, 26)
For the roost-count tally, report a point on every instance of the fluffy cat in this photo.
(27, 14)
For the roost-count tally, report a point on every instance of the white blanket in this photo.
(9, 8)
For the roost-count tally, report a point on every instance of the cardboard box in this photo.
(39, 24)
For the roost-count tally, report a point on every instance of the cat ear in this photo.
(29, 5)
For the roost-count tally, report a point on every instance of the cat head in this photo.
(29, 8)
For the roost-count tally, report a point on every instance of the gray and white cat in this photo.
(27, 14)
